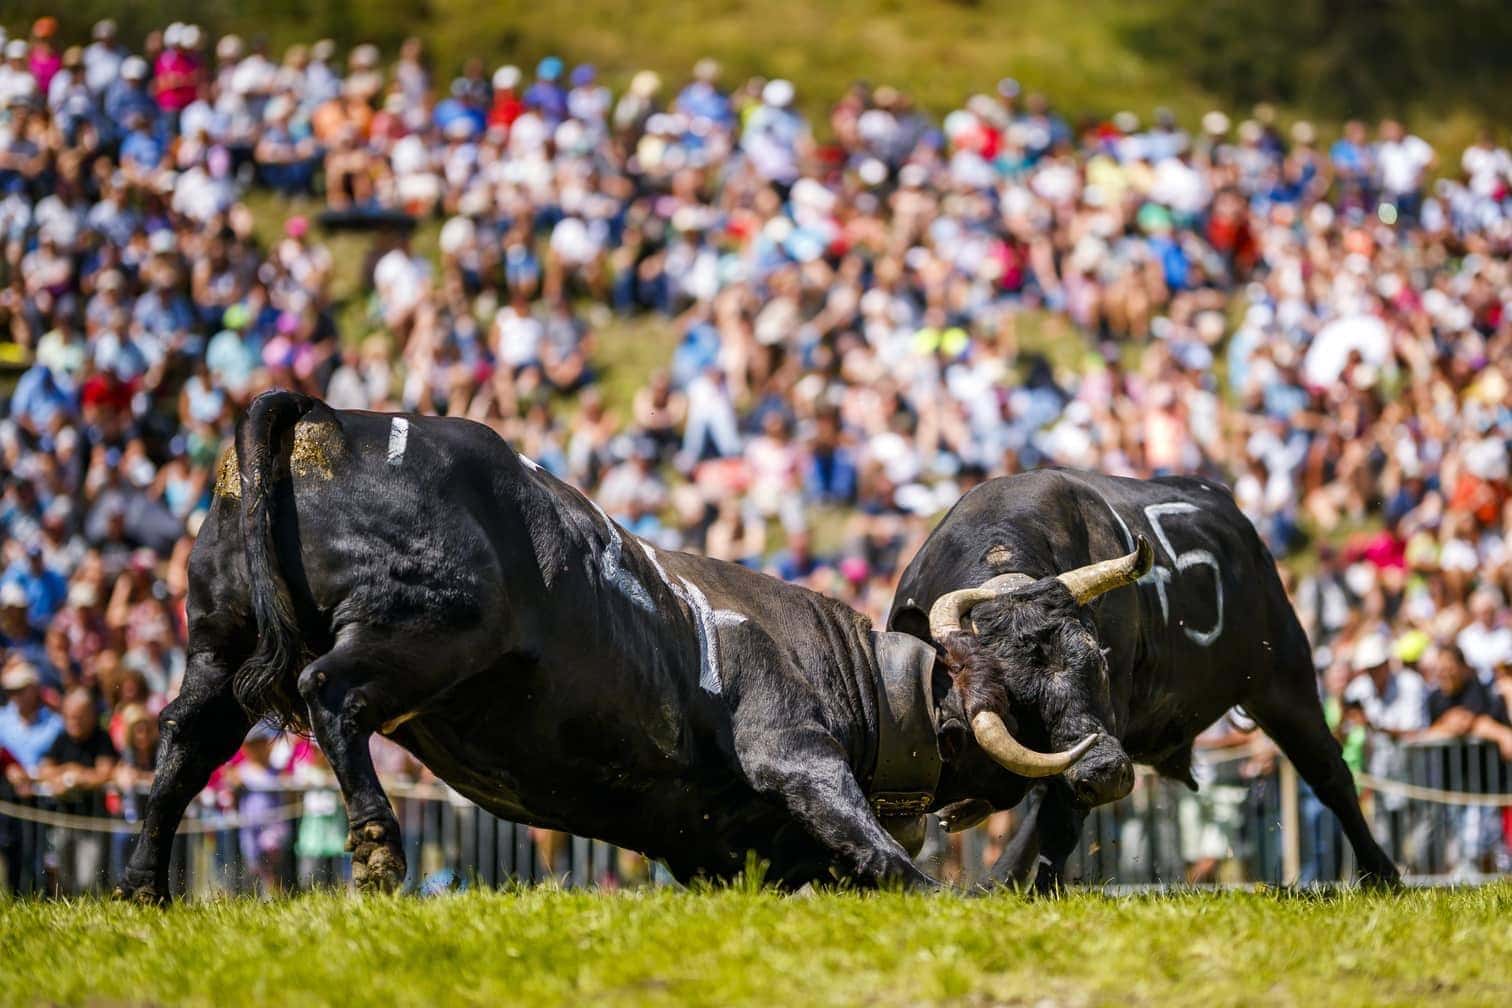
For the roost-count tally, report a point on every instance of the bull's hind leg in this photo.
(367, 681)
(201, 729)
(1289, 711)
(337, 689)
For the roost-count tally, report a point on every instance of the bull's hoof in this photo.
(1386, 879)
(377, 858)
(142, 892)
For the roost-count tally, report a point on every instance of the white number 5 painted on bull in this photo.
(1186, 561)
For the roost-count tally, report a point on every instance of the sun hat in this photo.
(777, 93)
(19, 676)
(1371, 652)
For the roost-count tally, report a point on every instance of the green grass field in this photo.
(733, 947)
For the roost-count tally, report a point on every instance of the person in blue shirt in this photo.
(45, 589)
(39, 400)
(546, 95)
(128, 95)
(141, 151)
(702, 100)
(27, 728)
(459, 108)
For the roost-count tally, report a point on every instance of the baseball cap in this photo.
(1370, 652)
(777, 93)
(506, 77)
(549, 68)
(12, 595)
(19, 676)
(15, 49)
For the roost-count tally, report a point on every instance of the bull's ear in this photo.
(910, 619)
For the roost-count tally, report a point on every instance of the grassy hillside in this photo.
(1438, 64)
(671, 947)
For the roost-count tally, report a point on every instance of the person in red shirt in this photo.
(178, 70)
(43, 59)
(507, 104)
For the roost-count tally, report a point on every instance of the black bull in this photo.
(414, 576)
(1207, 628)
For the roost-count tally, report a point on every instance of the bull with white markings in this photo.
(1120, 660)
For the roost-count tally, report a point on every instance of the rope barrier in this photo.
(100, 824)
(1385, 785)
(431, 792)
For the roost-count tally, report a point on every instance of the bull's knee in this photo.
(328, 696)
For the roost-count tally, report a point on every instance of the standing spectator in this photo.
(78, 765)
(27, 728)
(1403, 161)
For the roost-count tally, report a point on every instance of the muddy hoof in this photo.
(147, 893)
(377, 858)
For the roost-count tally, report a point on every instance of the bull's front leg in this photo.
(1043, 840)
(808, 772)
(200, 730)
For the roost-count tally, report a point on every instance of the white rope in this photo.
(1386, 785)
(100, 824)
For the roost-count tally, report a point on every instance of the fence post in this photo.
(1291, 826)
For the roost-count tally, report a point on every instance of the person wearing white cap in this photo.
(103, 57)
(27, 728)
(1395, 703)
(179, 68)
(776, 136)
(321, 83)
(16, 81)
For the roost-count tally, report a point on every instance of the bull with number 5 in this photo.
(1172, 613)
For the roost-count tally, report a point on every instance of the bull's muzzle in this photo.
(1102, 776)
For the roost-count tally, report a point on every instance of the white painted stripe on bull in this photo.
(1186, 561)
(398, 440)
(706, 623)
(1160, 575)
(1156, 575)
(612, 560)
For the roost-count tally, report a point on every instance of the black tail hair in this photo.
(263, 684)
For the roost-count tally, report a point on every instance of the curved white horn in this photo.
(949, 609)
(998, 742)
(1086, 583)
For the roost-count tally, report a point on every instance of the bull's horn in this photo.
(949, 609)
(998, 742)
(1086, 583)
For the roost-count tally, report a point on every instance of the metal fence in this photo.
(1445, 813)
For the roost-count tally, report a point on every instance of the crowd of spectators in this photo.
(869, 317)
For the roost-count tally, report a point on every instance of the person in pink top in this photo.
(44, 60)
(178, 69)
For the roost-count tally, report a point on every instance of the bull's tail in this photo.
(262, 684)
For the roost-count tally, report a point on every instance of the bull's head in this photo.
(1025, 651)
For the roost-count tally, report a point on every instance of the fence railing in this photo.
(1445, 813)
